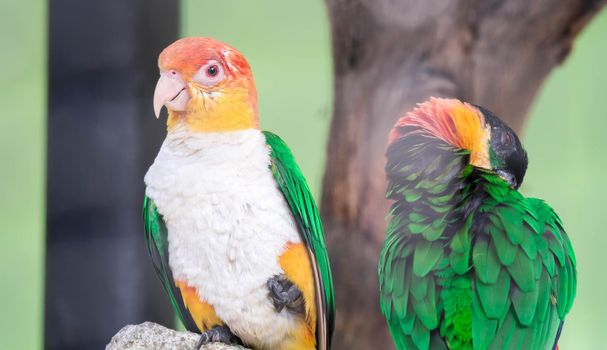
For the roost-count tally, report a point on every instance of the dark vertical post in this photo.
(102, 136)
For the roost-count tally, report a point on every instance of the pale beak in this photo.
(508, 177)
(171, 91)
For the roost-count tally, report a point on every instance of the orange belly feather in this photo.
(296, 265)
(202, 312)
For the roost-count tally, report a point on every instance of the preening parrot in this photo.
(468, 262)
(232, 228)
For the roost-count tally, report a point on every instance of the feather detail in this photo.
(295, 190)
(201, 312)
(296, 265)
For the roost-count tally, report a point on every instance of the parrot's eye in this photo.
(212, 71)
(210, 74)
(506, 139)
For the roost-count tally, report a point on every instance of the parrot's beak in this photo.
(509, 178)
(171, 91)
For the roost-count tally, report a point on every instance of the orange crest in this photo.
(457, 123)
(187, 55)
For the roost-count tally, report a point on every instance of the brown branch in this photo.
(389, 55)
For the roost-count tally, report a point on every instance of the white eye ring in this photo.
(210, 74)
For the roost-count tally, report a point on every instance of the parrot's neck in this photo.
(181, 141)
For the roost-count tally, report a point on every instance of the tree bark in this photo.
(390, 55)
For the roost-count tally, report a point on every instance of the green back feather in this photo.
(466, 258)
(295, 189)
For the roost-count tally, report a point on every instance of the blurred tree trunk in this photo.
(390, 55)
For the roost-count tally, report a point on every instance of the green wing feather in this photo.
(524, 241)
(156, 239)
(297, 194)
(426, 245)
(468, 262)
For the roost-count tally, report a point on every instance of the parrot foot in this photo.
(218, 334)
(283, 293)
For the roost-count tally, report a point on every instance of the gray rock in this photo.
(150, 335)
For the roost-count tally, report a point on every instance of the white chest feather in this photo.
(227, 223)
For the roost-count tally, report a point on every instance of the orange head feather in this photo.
(457, 123)
(206, 85)
(492, 144)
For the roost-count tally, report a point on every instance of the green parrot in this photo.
(468, 262)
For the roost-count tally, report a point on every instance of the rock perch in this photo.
(149, 335)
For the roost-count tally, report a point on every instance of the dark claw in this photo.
(283, 293)
(218, 334)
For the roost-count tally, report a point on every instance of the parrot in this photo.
(467, 261)
(230, 223)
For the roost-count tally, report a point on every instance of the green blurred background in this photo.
(22, 172)
(288, 46)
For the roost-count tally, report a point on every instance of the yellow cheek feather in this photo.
(473, 134)
(227, 109)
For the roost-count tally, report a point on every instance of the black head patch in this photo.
(507, 155)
